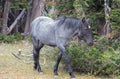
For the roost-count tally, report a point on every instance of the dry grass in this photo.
(13, 68)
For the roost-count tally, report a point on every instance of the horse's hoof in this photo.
(41, 72)
(55, 76)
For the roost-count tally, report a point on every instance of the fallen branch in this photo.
(16, 56)
(16, 20)
(26, 58)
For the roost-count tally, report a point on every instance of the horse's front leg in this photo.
(57, 64)
(67, 60)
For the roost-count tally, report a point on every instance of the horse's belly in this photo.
(48, 40)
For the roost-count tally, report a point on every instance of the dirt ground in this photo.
(12, 67)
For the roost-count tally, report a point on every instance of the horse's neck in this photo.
(66, 33)
(74, 33)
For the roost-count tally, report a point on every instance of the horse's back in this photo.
(43, 29)
(39, 19)
(41, 24)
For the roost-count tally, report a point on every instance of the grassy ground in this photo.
(14, 68)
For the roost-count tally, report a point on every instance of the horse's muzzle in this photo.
(90, 44)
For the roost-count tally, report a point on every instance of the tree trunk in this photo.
(28, 20)
(107, 26)
(5, 17)
(16, 13)
(38, 8)
(27, 24)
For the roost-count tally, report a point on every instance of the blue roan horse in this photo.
(46, 31)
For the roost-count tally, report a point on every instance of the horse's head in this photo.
(85, 32)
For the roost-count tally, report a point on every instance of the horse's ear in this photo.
(83, 19)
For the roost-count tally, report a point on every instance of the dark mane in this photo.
(70, 22)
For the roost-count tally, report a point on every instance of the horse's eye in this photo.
(89, 26)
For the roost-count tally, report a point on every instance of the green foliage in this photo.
(19, 4)
(101, 59)
(115, 21)
(65, 8)
(81, 8)
(111, 62)
(10, 38)
(28, 39)
(78, 8)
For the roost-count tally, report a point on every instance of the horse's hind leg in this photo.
(36, 48)
(57, 63)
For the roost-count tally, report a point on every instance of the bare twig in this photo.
(26, 58)
(16, 56)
